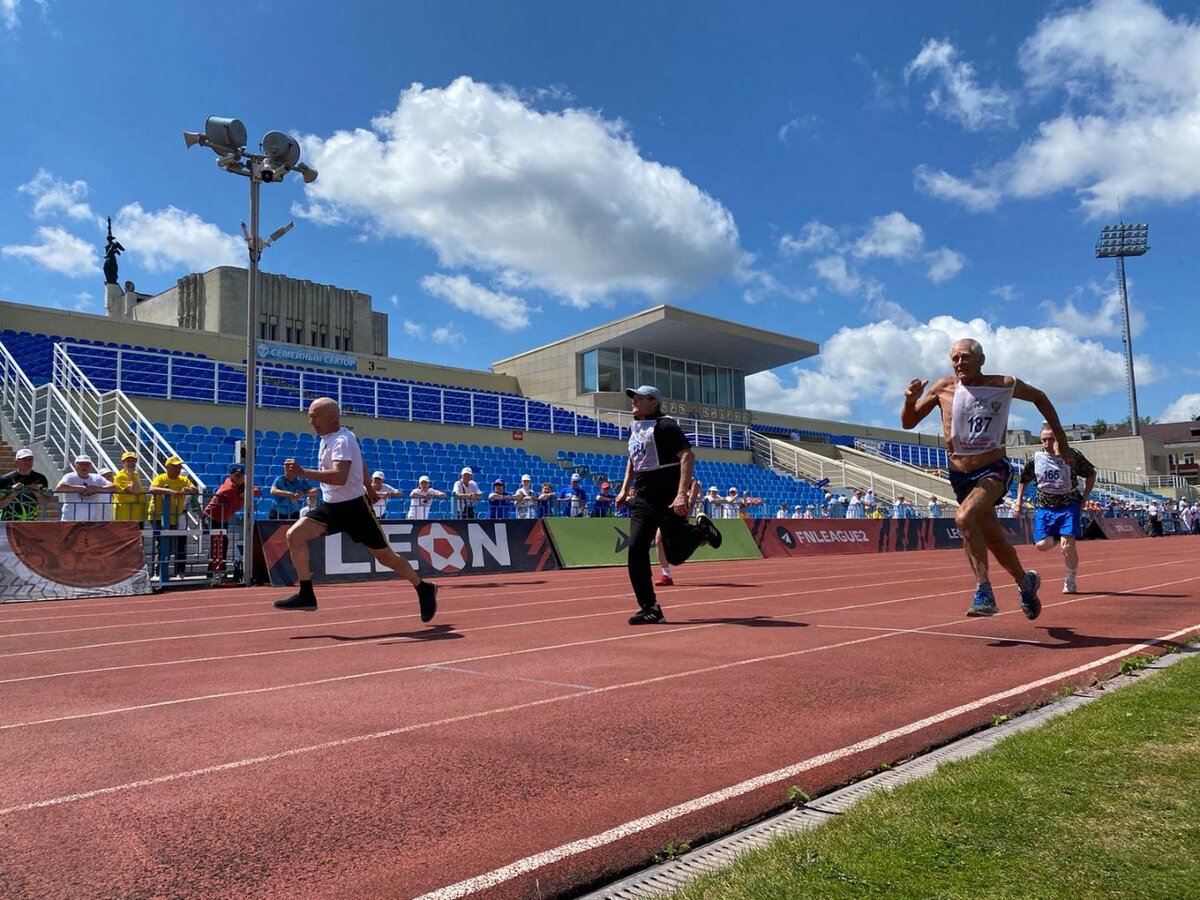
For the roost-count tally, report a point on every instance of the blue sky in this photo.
(879, 178)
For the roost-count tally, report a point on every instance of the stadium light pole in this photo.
(280, 154)
(1120, 241)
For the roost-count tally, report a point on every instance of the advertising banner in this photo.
(66, 560)
(817, 537)
(1115, 529)
(582, 543)
(435, 548)
(306, 356)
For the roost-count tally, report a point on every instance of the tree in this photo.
(1100, 427)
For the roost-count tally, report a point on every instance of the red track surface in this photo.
(204, 744)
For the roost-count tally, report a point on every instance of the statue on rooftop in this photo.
(112, 249)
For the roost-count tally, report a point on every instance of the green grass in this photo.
(1101, 803)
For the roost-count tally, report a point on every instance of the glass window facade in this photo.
(613, 369)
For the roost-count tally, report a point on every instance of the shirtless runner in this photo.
(974, 410)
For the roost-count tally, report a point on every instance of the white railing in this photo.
(794, 460)
(199, 380)
(43, 416)
(115, 420)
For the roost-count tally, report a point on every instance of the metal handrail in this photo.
(115, 419)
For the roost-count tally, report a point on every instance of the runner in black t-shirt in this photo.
(23, 491)
(660, 467)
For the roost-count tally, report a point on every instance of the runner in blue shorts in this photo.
(974, 410)
(1057, 509)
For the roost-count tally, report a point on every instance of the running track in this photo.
(526, 743)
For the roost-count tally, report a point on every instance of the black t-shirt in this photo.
(24, 505)
(654, 448)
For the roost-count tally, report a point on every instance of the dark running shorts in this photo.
(351, 517)
(965, 482)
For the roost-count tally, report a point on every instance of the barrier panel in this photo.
(1113, 529)
(434, 548)
(68, 560)
(582, 543)
(817, 537)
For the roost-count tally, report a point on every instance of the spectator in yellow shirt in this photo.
(131, 503)
(171, 491)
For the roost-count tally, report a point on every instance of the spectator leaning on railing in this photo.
(171, 491)
(383, 493)
(24, 493)
(289, 495)
(227, 502)
(545, 501)
(466, 494)
(574, 498)
(525, 499)
(131, 503)
(421, 496)
(81, 488)
(499, 500)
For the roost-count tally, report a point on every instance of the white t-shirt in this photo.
(525, 500)
(979, 418)
(385, 492)
(419, 500)
(854, 508)
(732, 508)
(335, 447)
(460, 504)
(78, 508)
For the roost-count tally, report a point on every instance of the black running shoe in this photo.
(427, 597)
(708, 531)
(651, 616)
(297, 601)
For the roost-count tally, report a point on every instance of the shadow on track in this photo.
(1069, 639)
(492, 585)
(750, 621)
(436, 633)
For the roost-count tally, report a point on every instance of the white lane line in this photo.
(925, 630)
(318, 623)
(370, 643)
(538, 860)
(668, 628)
(500, 676)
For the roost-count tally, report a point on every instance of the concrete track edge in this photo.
(675, 874)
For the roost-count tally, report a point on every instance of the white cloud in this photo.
(52, 195)
(1131, 129)
(1006, 292)
(893, 236)
(872, 364)
(1107, 320)
(760, 284)
(944, 264)
(814, 237)
(944, 186)
(561, 199)
(445, 334)
(9, 14)
(800, 123)
(169, 239)
(83, 301)
(59, 251)
(957, 95)
(508, 312)
(837, 275)
(1184, 409)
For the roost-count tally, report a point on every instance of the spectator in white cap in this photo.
(466, 494)
(421, 496)
(712, 502)
(525, 499)
(573, 498)
(383, 493)
(81, 489)
(24, 493)
(798, 511)
(733, 504)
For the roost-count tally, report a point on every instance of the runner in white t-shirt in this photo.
(345, 507)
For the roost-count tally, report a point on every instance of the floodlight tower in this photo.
(1120, 241)
(280, 154)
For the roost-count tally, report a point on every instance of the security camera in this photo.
(271, 171)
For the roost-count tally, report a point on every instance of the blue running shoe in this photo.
(984, 603)
(1030, 604)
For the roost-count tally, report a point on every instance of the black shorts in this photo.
(351, 517)
(965, 482)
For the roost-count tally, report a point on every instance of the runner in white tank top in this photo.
(974, 409)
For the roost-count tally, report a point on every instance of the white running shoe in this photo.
(1069, 586)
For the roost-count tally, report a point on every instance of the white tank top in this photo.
(1051, 474)
(979, 418)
